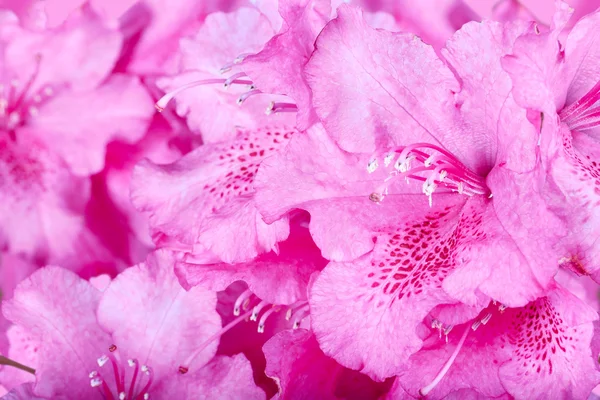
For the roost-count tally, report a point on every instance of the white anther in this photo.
(429, 160)
(270, 108)
(491, 195)
(96, 382)
(387, 160)
(145, 369)
(122, 396)
(288, 314)
(460, 187)
(131, 362)
(447, 330)
(443, 175)
(146, 396)
(403, 165)
(93, 374)
(486, 319)
(476, 325)
(501, 307)
(372, 165)
(102, 360)
(33, 111)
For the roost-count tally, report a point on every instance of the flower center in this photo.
(252, 307)
(584, 113)
(17, 105)
(138, 387)
(431, 165)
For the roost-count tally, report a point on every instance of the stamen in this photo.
(263, 319)
(256, 310)
(134, 364)
(232, 78)
(242, 298)
(281, 107)
(162, 103)
(245, 96)
(299, 315)
(184, 368)
(425, 391)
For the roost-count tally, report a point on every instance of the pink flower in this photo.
(129, 339)
(301, 370)
(538, 351)
(205, 201)
(59, 107)
(562, 83)
(395, 263)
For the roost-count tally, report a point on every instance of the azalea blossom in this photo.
(404, 260)
(96, 343)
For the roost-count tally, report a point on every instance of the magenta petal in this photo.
(154, 319)
(394, 87)
(58, 309)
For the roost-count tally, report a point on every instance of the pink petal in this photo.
(30, 12)
(485, 85)
(23, 392)
(277, 69)
(204, 197)
(79, 54)
(383, 105)
(280, 278)
(227, 378)
(582, 56)
(156, 50)
(384, 295)
(154, 319)
(44, 209)
(56, 305)
(301, 370)
(79, 125)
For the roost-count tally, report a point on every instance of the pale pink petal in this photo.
(280, 278)
(209, 192)
(79, 125)
(151, 317)
(388, 82)
(31, 13)
(23, 392)
(59, 309)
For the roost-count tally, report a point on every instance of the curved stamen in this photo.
(245, 96)
(275, 107)
(134, 364)
(256, 310)
(240, 301)
(144, 392)
(232, 78)
(299, 315)
(184, 368)
(263, 319)
(162, 103)
(424, 391)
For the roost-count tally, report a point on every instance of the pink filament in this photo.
(186, 364)
(424, 391)
(161, 104)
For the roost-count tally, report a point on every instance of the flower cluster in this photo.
(300, 199)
